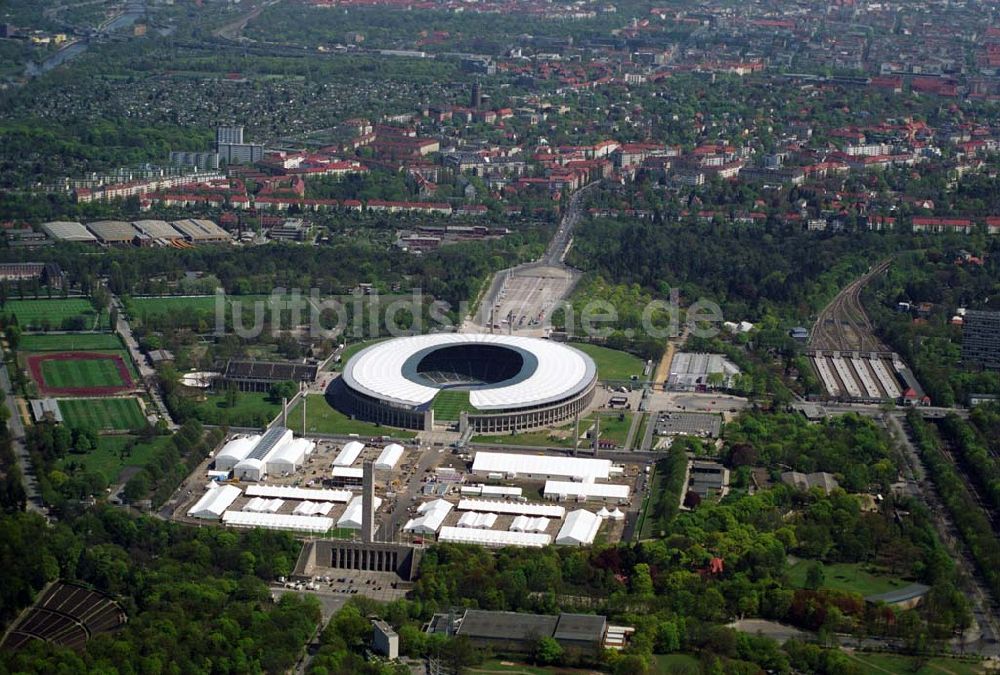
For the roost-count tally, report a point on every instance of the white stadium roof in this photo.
(515, 508)
(287, 492)
(579, 529)
(578, 468)
(278, 521)
(559, 371)
(557, 489)
(469, 535)
(215, 501)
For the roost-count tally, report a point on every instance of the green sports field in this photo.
(448, 404)
(82, 374)
(70, 342)
(50, 314)
(118, 414)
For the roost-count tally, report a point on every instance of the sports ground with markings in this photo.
(80, 373)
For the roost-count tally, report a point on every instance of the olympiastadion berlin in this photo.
(491, 383)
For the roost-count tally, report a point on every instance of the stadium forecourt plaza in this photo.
(512, 383)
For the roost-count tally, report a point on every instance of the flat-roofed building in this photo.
(113, 232)
(158, 231)
(61, 230)
(201, 231)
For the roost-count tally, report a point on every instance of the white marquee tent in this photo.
(579, 529)
(215, 501)
(469, 535)
(432, 515)
(351, 519)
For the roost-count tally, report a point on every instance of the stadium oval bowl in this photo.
(511, 383)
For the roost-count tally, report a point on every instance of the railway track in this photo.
(843, 325)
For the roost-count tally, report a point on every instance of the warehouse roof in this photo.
(113, 231)
(506, 625)
(199, 229)
(157, 229)
(68, 231)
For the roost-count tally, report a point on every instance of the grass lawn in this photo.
(190, 309)
(850, 577)
(107, 457)
(676, 663)
(50, 314)
(82, 373)
(640, 433)
(322, 418)
(119, 414)
(613, 365)
(249, 409)
(878, 664)
(650, 526)
(70, 342)
(448, 404)
(545, 438)
(612, 429)
(508, 667)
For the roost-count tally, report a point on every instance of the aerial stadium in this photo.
(491, 383)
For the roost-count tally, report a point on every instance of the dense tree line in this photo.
(196, 598)
(971, 521)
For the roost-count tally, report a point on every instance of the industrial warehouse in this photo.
(487, 383)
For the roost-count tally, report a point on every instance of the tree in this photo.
(814, 576)
(283, 390)
(547, 651)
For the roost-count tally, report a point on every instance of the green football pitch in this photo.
(119, 414)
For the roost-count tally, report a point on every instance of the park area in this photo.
(115, 453)
(56, 314)
(103, 414)
(613, 365)
(322, 418)
(614, 428)
(847, 577)
(236, 408)
(80, 373)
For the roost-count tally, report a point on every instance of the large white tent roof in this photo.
(278, 521)
(235, 451)
(469, 535)
(288, 492)
(389, 457)
(349, 453)
(516, 508)
(215, 501)
(579, 529)
(261, 505)
(478, 520)
(558, 371)
(528, 524)
(577, 468)
(351, 519)
(312, 509)
(556, 489)
(432, 515)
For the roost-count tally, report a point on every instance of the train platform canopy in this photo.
(579, 529)
(541, 466)
(215, 501)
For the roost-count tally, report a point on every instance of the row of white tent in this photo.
(261, 505)
(254, 456)
(478, 520)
